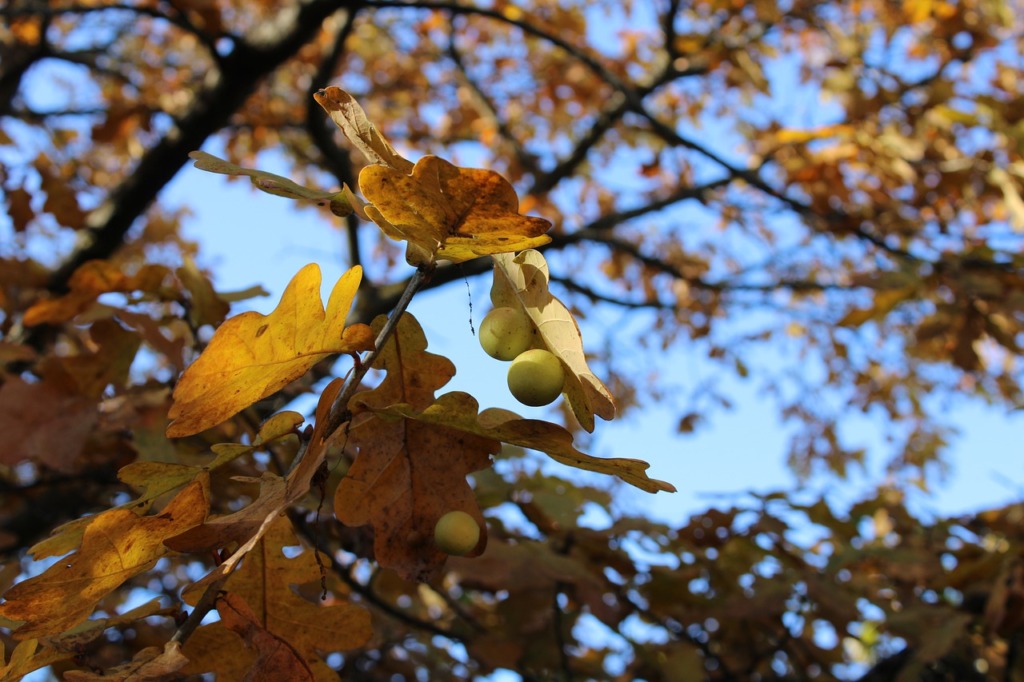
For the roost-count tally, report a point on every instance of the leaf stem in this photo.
(339, 410)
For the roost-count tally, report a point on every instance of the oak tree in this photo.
(824, 199)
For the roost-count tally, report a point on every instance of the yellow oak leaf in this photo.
(116, 546)
(521, 281)
(252, 355)
(449, 213)
(457, 411)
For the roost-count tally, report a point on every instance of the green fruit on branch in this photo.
(505, 333)
(536, 377)
(456, 533)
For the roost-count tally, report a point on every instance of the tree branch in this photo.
(225, 91)
(527, 160)
(365, 591)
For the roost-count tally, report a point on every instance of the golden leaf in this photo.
(252, 355)
(449, 213)
(116, 546)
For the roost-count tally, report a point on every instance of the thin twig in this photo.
(339, 410)
(205, 604)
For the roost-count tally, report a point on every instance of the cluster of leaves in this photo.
(411, 450)
(875, 237)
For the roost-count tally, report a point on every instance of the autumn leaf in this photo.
(116, 546)
(28, 656)
(341, 203)
(276, 659)
(458, 411)
(252, 355)
(266, 583)
(276, 493)
(350, 117)
(156, 479)
(408, 473)
(44, 422)
(205, 306)
(447, 212)
(521, 281)
(152, 664)
(89, 281)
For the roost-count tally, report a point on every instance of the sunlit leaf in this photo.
(116, 546)
(350, 117)
(254, 355)
(449, 213)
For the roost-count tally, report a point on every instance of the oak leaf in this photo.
(116, 546)
(458, 411)
(152, 664)
(252, 355)
(408, 473)
(156, 479)
(276, 659)
(447, 212)
(276, 494)
(92, 279)
(341, 203)
(521, 281)
(364, 136)
(266, 583)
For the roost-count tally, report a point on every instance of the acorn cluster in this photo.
(536, 376)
